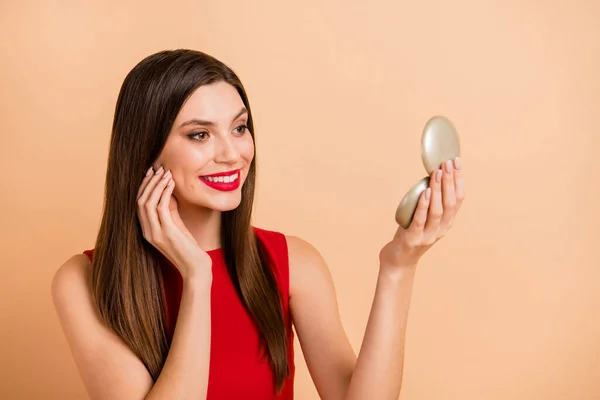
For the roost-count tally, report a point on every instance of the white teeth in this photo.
(222, 179)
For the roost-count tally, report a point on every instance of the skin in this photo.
(180, 215)
(377, 371)
(224, 147)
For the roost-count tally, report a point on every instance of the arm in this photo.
(328, 354)
(378, 371)
(331, 361)
(108, 367)
(377, 374)
(185, 373)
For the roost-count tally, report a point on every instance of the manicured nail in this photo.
(158, 171)
(449, 166)
(457, 163)
(149, 171)
(438, 175)
(167, 174)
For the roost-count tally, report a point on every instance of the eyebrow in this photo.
(196, 121)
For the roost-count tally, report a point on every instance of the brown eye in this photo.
(241, 129)
(200, 136)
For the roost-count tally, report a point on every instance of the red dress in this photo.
(236, 370)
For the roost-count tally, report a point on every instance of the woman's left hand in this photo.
(433, 217)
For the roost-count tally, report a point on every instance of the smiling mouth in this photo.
(223, 182)
(222, 179)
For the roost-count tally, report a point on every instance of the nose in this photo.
(226, 151)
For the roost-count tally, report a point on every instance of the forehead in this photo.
(217, 101)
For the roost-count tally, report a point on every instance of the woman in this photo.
(182, 297)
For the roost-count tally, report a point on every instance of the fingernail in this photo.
(167, 174)
(449, 166)
(457, 163)
(158, 171)
(149, 171)
(438, 175)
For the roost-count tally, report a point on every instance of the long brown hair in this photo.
(127, 281)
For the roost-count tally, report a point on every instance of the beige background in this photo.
(505, 307)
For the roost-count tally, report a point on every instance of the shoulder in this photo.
(297, 250)
(71, 291)
(307, 265)
(71, 280)
(107, 365)
(302, 252)
(293, 243)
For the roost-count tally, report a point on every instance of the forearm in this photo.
(185, 372)
(379, 367)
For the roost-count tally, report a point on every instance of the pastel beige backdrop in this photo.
(505, 307)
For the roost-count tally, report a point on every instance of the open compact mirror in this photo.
(439, 143)
(408, 204)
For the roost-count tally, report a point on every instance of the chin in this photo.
(225, 204)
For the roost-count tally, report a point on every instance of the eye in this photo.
(241, 129)
(200, 136)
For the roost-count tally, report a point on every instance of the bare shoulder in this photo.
(300, 248)
(303, 254)
(313, 304)
(107, 366)
(307, 265)
(72, 298)
(71, 281)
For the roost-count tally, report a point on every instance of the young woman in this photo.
(182, 298)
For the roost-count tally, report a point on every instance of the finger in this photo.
(145, 181)
(459, 185)
(420, 216)
(164, 214)
(152, 203)
(435, 207)
(143, 197)
(146, 190)
(448, 195)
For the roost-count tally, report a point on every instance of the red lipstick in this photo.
(219, 183)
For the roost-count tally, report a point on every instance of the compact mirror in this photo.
(408, 204)
(439, 143)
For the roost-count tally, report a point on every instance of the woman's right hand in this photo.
(163, 228)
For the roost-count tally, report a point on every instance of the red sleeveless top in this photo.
(236, 369)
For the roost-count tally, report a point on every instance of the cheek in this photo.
(187, 166)
(193, 160)
(247, 149)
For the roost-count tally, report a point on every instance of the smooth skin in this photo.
(182, 219)
(377, 372)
